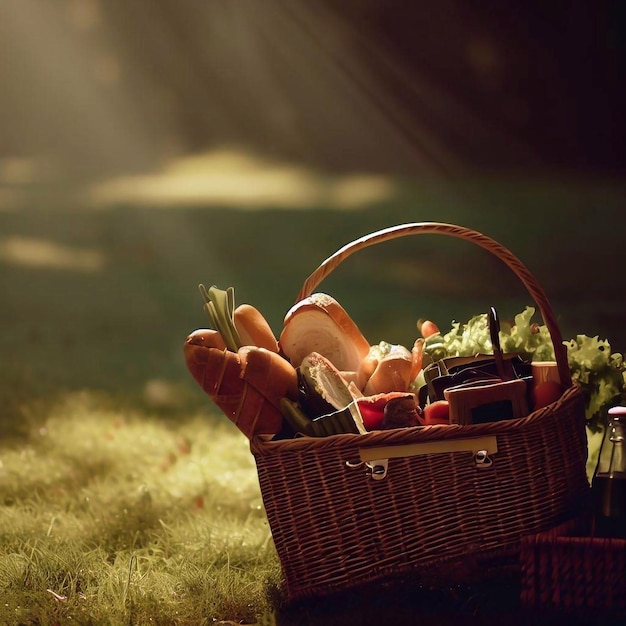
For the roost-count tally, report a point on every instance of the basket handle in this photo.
(419, 228)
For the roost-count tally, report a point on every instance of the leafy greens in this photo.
(600, 373)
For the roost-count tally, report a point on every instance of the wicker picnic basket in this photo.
(434, 504)
(566, 569)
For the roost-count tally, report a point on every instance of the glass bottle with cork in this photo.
(608, 485)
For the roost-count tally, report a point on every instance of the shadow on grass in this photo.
(401, 602)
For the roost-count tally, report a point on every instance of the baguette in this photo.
(270, 373)
(206, 337)
(253, 328)
(246, 385)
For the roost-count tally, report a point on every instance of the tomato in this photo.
(437, 412)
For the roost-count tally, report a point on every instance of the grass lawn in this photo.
(125, 497)
(111, 515)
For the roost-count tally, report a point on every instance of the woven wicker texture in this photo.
(434, 517)
(566, 569)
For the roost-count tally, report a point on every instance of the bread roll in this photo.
(392, 372)
(320, 324)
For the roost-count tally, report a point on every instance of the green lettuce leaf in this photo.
(600, 373)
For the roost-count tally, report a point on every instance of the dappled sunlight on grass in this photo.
(129, 517)
(239, 179)
(43, 253)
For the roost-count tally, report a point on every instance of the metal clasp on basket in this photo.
(482, 460)
(376, 459)
(377, 470)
